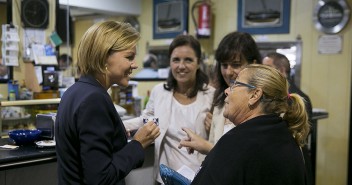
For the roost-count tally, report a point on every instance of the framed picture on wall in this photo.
(170, 18)
(264, 16)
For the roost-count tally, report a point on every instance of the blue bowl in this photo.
(22, 137)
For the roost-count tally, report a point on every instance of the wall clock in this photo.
(35, 13)
(331, 16)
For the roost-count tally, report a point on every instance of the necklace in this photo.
(183, 94)
(183, 98)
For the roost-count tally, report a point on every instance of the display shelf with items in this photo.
(126, 100)
(21, 114)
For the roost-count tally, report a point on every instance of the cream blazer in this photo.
(217, 125)
(159, 106)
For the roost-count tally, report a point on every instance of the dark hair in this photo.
(64, 61)
(65, 58)
(233, 45)
(201, 77)
(280, 60)
(149, 59)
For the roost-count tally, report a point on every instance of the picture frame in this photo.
(264, 16)
(170, 18)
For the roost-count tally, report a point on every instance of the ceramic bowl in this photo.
(22, 137)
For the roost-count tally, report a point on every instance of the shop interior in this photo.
(31, 84)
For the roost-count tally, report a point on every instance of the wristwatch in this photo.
(35, 13)
(331, 16)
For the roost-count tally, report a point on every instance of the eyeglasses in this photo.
(235, 83)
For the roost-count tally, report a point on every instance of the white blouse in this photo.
(181, 116)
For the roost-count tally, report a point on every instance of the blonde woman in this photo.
(271, 126)
(91, 141)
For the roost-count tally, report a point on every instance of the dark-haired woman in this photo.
(182, 101)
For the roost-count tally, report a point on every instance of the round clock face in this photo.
(35, 13)
(331, 16)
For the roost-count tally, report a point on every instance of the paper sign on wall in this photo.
(330, 44)
(9, 48)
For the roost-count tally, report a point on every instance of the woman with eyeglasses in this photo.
(271, 127)
(235, 51)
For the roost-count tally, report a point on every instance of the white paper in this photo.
(40, 58)
(38, 50)
(11, 53)
(9, 49)
(33, 36)
(11, 46)
(47, 60)
(187, 172)
(330, 44)
(10, 61)
(38, 72)
(9, 33)
(30, 38)
(12, 36)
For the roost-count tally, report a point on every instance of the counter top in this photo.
(319, 115)
(24, 155)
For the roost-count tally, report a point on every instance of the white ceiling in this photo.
(79, 8)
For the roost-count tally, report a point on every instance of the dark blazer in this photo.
(260, 151)
(294, 89)
(91, 141)
(308, 161)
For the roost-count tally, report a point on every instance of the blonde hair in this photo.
(102, 40)
(277, 100)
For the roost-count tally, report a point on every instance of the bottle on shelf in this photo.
(12, 95)
(115, 94)
(137, 106)
(146, 99)
(129, 106)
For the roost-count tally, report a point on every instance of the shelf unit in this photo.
(26, 113)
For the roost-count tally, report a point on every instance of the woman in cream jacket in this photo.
(182, 101)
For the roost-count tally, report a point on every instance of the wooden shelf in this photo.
(30, 102)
